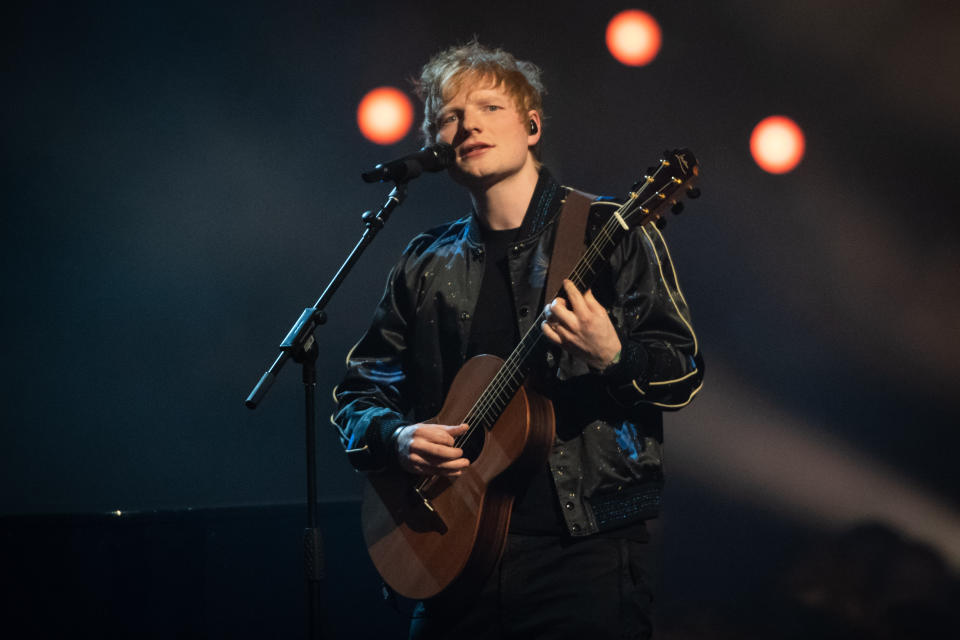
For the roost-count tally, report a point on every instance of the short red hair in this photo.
(446, 72)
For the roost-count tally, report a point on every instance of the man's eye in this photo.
(493, 107)
(447, 119)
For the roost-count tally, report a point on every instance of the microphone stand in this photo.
(301, 345)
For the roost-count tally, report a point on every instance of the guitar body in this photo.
(455, 542)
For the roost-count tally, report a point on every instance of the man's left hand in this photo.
(581, 326)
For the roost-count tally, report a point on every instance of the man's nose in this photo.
(470, 120)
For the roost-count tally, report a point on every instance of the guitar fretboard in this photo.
(647, 198)
(511, 375)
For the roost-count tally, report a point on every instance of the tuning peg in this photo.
(661, 223)
(693, 193)
(677, 207)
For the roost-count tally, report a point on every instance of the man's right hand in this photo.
(429, 449)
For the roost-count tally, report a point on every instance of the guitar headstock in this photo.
(663, 186)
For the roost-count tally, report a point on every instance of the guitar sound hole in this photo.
(474, 444)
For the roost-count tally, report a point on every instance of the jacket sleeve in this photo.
(660, 362)
(372, 399)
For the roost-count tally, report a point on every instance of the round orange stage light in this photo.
(385, 115)
(777, 144)
(633, 37)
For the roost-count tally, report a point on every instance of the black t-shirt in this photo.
(494, 330)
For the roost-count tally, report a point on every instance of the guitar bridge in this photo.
(426, 500)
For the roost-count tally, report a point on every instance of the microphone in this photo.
(433, 158)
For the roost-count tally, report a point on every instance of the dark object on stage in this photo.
(301, 344)
(433, 534)
(433, 158)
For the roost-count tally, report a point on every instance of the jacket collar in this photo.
(543, 208)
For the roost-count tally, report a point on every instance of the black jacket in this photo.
(607, 459)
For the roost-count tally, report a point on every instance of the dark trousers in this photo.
(550, 588)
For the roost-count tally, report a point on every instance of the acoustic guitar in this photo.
(428, 535)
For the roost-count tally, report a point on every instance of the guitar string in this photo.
(507, 375)
(504, 377)
(511, 367)
(492, 397)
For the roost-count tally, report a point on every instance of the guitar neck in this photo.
(514, 371)
(649, 196)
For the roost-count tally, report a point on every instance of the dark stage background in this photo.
(182, 178)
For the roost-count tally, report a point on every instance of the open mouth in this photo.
(474, 149)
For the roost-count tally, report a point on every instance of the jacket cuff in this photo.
(378, 451)
(631, 366)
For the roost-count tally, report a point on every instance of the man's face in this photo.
(491, 137)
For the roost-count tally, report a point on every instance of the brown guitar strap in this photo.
(569, 242)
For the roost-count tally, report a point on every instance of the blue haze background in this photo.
(181, 179)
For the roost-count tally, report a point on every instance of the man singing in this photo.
(576, 561)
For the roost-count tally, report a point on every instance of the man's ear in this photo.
(534, 128)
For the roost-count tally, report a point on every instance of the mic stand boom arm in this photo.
(301, 345)
(300, 337)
